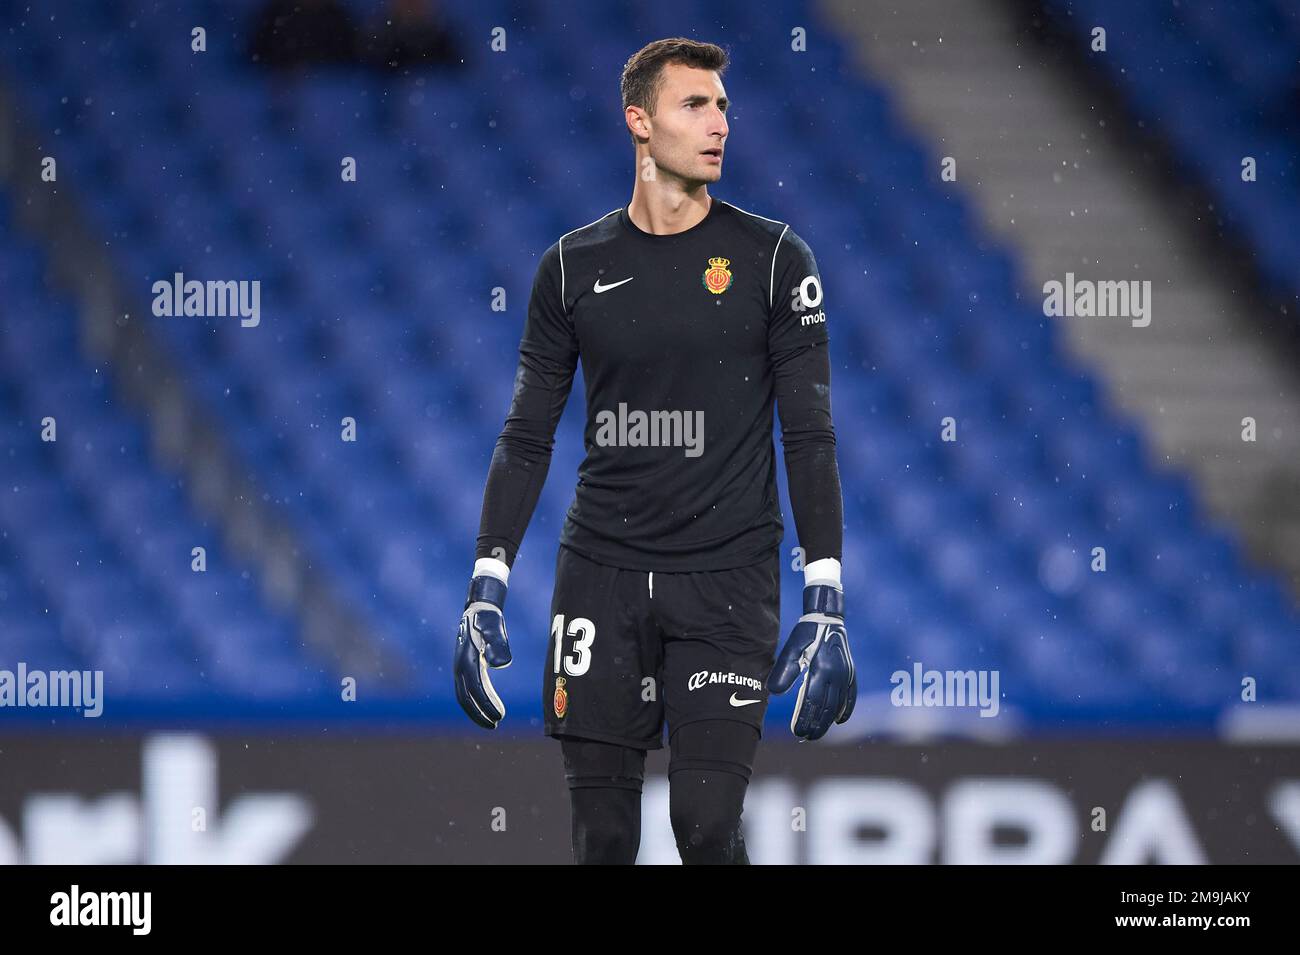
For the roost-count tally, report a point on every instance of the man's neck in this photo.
(662, 210)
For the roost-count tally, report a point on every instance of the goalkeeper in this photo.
(693, 319)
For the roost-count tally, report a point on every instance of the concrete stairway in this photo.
(1053, 178)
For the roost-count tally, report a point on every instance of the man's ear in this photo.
(638, 123)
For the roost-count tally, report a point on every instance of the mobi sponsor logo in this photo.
(651, 429)
(211, 299)
(805, 297)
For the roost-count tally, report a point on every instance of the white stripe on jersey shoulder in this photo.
(569, 233)
(771, 281)
(754, 214)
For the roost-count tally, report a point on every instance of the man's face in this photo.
(689, 128)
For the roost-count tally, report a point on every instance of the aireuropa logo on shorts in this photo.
(706, 678)
(922, 687)
(1084, 298)
(651, 429)
(211, 299)
(74, 907)
(73, 689)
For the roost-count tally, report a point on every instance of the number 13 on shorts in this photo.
(582, 633)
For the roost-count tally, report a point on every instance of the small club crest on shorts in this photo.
(717, 277)
(561, 699)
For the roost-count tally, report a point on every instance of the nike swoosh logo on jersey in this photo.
(736, 702)
(598, 288)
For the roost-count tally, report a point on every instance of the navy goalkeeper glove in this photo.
(481, 643)
(818, 647)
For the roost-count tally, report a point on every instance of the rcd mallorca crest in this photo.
(561, 699)
(717, 277)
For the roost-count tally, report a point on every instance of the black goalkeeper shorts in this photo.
(631, 647)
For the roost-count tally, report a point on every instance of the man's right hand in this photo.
(480, 644)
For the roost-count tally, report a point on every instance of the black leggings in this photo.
(708, 773)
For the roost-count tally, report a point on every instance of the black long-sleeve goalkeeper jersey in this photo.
(686, 341)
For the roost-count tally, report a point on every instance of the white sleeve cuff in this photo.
(824, 571)
(492, 568)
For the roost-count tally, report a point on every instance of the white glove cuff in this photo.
(493, 568)
(823, 571)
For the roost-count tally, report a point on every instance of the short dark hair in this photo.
(643, 74)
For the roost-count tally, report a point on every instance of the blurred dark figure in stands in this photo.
(304, 32)
(410, 34)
